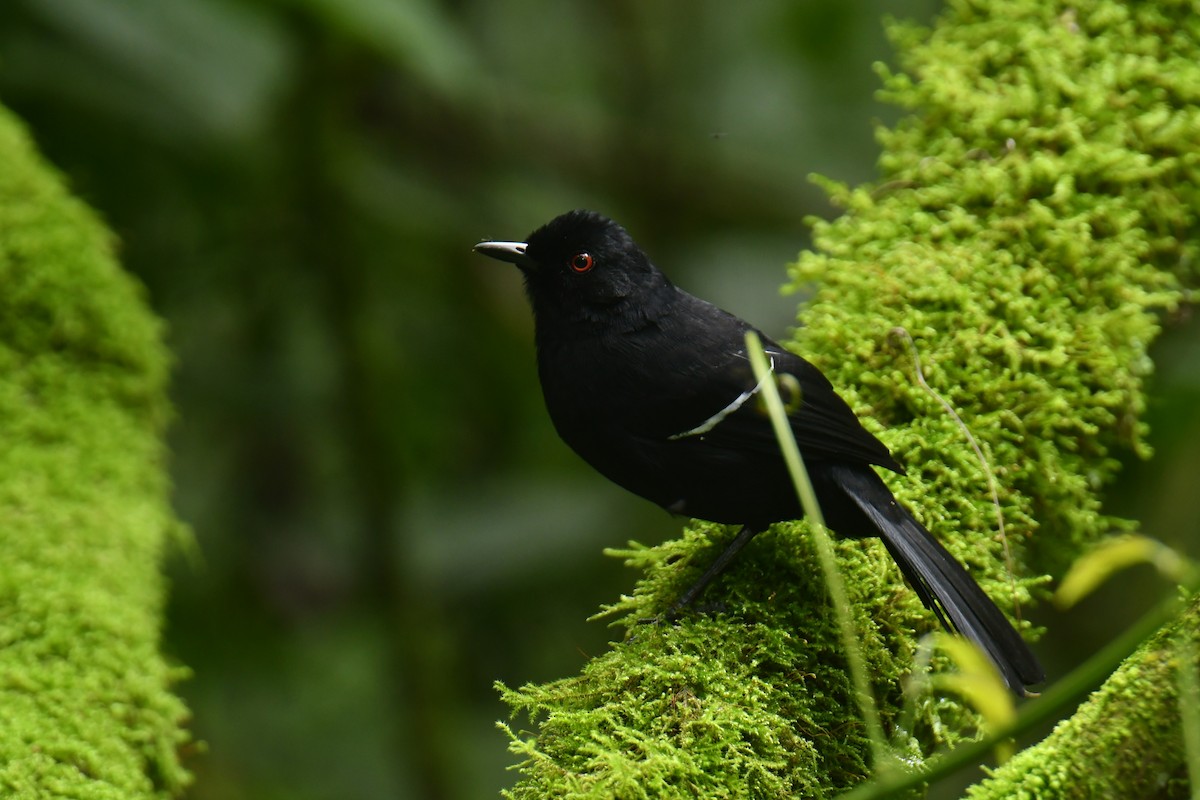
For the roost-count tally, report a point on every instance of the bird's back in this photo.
(663, 404)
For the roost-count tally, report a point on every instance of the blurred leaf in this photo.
(411, 33)
(978, 682)
(181, 70)
(1094, 568)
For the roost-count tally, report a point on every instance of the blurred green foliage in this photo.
(386, 521)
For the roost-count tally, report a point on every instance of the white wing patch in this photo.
(715, 419)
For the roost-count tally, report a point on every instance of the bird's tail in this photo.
(940, 581)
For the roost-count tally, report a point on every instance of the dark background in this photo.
(384, 520)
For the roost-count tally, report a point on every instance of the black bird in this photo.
(653, 388)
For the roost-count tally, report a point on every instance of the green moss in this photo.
(1125, 741)
(1037, 215)
(754, 701)
(83, 504)
(1028, 238)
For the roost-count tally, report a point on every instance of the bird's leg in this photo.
(716, 568)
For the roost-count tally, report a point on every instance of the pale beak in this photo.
(512, 252)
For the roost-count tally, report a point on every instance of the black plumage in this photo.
(653, 388)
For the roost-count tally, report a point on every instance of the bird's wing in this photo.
(715, 398)
(823, 424)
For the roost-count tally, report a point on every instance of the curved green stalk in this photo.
(833, 576)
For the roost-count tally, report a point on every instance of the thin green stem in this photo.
(1189, 708)
(833, 578)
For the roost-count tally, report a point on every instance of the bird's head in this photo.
(579, 265)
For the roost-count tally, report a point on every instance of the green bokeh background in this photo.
(385, 522)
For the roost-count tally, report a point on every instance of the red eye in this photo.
(582, 262)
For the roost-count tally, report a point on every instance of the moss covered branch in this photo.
(1125, 741)
(84, 513)
(1036, 218)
